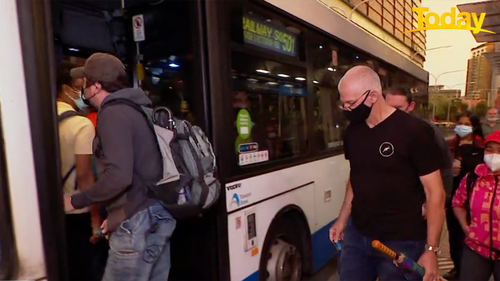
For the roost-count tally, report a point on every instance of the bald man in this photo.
(392, 155)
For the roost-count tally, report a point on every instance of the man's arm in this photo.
(84, 138)
(435, 199)
(115, 136)
(427, 160)
(345, 211)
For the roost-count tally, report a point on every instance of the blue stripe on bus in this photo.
(322, 250)
(252, 277)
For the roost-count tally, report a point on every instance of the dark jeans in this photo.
(477, 267)
(79, 248)
(360, 262)
(456, 236)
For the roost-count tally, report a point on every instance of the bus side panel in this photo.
(303, 185)
(245, 264)
(331, 181)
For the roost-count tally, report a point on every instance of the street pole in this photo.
(448, 115)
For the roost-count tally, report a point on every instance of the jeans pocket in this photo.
(121, 243)
(159, 241)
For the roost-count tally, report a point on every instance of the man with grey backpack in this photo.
(153, 169)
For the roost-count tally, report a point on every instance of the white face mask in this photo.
(492, 119)
(493, 161)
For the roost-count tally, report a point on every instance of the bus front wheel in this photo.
(282, 255)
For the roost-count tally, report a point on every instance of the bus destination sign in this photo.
(270, 37)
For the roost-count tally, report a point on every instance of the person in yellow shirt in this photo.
(76, 134)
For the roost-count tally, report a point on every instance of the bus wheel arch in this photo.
(287, 240)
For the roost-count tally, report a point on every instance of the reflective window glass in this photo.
(329, 65)
(269, 101)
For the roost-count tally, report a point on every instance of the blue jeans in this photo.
(359, 261)
(136, 253)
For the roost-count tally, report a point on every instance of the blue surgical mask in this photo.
(463, 130)
(79, 102)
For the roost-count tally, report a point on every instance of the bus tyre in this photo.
(282, 255)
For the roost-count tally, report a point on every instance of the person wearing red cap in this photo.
(476, 205)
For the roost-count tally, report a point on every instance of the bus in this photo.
(259, 76)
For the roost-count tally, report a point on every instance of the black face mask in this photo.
(85, 100)
(360, 113)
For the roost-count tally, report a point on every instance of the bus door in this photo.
(160, 44)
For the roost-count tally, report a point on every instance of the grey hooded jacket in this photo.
(128, 159)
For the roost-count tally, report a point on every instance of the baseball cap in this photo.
(493, 137)
(77, 72)
(103, 67)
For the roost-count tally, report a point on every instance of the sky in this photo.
(452, 58)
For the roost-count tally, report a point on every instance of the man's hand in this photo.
(337, 231)
(428, 260)
(104, 226)
(68, 207)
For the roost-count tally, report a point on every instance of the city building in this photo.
(492, 55)
(387, 20)
(439, 92)
(479, 72)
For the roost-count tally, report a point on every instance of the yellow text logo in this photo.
(463, 22)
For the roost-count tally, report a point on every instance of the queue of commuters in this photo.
(128, 159)
(405, 178)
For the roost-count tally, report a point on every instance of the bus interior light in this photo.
(300, 78)
(262, 71)
(283, 75)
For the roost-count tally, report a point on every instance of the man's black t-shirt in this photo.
(386, 162)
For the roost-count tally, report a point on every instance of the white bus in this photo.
(259, 76)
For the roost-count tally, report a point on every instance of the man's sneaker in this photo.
(452, 275)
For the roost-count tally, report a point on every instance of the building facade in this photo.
(439, 92)
(479, 72)
(387, 20)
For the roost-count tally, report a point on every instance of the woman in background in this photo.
(477, 207)
(467, 151)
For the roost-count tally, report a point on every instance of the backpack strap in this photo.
(65, 178)
(65, 115)
(61, 117)
(470, 183)
(131, 104)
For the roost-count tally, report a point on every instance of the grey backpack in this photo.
(189, 184)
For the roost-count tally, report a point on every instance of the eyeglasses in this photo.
(348, 106)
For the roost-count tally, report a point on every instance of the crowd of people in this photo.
(406, 180)
(108, 158)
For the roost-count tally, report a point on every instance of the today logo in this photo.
(464, 21)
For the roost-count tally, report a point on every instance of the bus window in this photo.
(329, 64)
(169, 60)
(269, 101)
